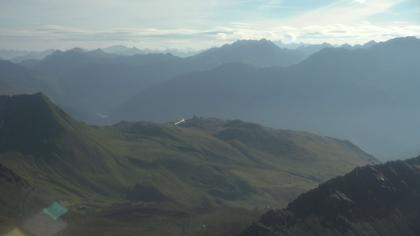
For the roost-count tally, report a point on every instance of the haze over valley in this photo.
(220, 118)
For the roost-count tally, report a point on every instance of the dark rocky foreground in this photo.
(376, 200)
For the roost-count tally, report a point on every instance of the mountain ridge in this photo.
(373, 200)
(259, 53)
(131, 170)
(337, 88)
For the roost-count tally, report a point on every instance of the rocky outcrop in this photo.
(374, 200)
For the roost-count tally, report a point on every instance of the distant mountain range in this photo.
(380, 200)
(15, 79)
(85, 79)
(261, 53)
(132, 175)
(352, 92)
(18, 56)
(367, 95)
(131, 51)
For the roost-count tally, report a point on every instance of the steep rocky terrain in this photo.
(380, 200)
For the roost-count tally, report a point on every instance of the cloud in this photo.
(345, 12)
(191, 23)
(63, 37)
(334, 33)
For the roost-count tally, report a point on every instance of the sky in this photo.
(199, 24)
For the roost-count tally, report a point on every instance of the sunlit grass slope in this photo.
(136, 177)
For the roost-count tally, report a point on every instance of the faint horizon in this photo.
(279, 43)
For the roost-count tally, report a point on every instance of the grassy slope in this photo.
(195, 174)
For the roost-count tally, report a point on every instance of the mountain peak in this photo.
(251, 42)
(403, 43)
(347, 54)
(404, 39)
(30, 122)
(260, 53)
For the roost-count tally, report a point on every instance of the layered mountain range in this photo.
(124, 178)
(363, 93)
(123, 140)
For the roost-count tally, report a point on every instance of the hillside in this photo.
(376, 200)
(128, 176)
(14, 192)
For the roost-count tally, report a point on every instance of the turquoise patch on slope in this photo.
(55, 210)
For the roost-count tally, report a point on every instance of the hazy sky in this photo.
(40, 24)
